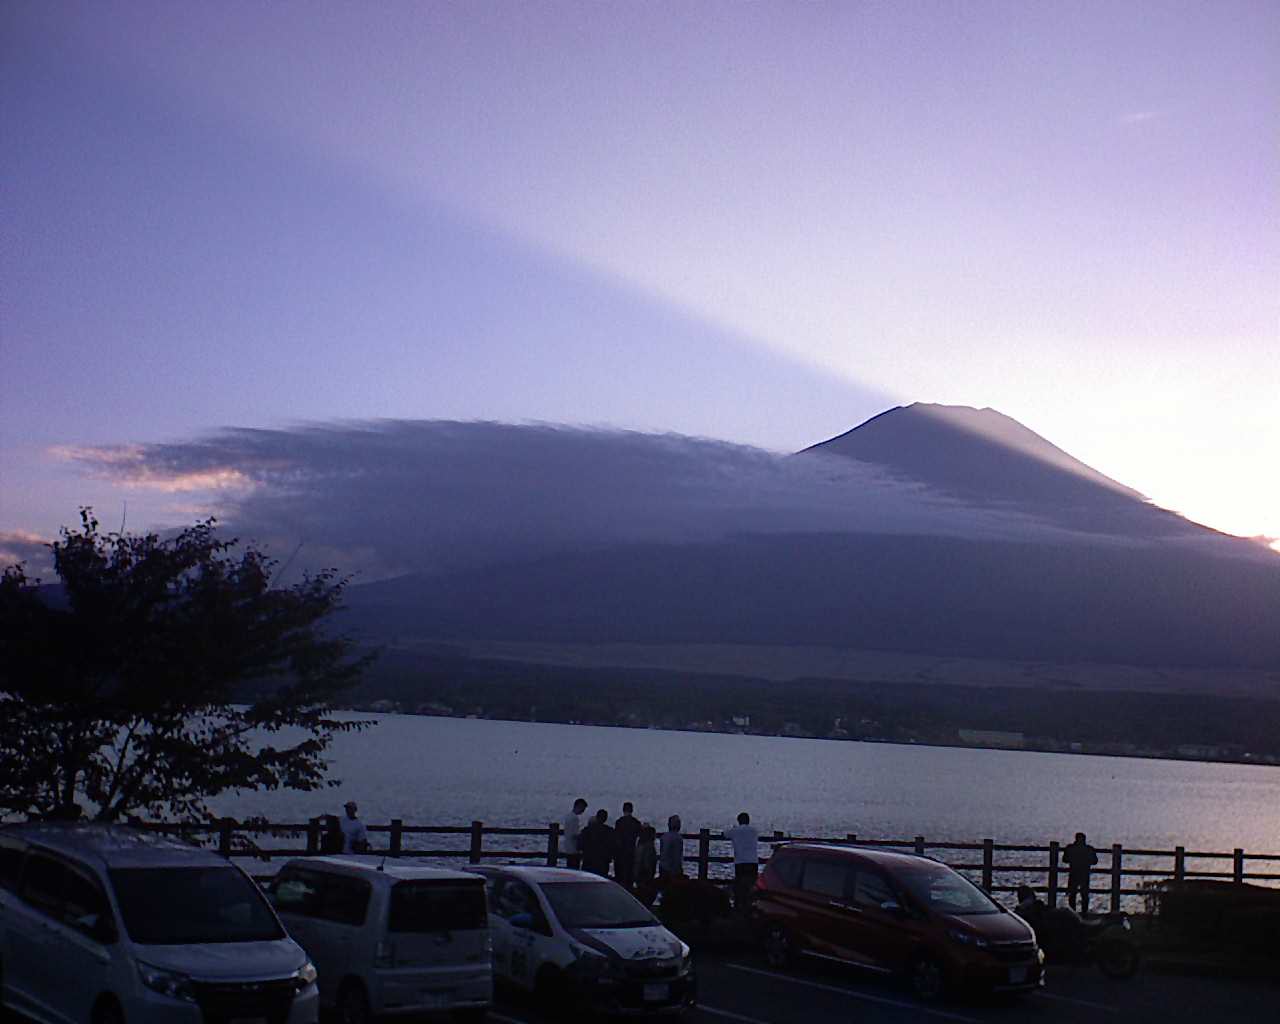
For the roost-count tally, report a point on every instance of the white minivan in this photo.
(103, 924)
(388, 936)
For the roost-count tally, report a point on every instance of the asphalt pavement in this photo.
(744, 989)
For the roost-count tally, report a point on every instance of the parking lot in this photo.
(742, 988)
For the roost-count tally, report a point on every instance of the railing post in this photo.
(704, 853)
(920, 845)
(1237, 866)
(477, 841)
(1179, 863)
(313, 835)
(1053, 874)
(988, 863)
(1117, 869)
(553, 844)
(850, 837)
(225, 826)
(397, 834)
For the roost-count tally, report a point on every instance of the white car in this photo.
(389, 937)
(105, 924)
(574, 938)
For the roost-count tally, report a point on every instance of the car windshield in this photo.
(435, 907)
(946, 892)
(184, 906)
(596, 905)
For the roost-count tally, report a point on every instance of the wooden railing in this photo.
(1121, 875)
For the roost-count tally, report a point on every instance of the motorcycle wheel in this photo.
(1118, 958)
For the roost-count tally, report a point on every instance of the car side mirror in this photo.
(891, 907)
(522, 920)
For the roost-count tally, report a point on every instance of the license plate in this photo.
(1017, 975)
(656, 992)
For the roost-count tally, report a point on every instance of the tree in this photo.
(162, 673)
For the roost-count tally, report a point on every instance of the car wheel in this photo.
(551, 989)
(779, 949)
(108, 1011)
(1118, 958)
(353, 1004)
(927, 979)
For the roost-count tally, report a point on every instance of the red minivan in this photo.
(893, 913)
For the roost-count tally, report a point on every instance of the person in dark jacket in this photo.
(1080, 858)
(626, 830)
(332, 840)
(646, 865)
(598, 844)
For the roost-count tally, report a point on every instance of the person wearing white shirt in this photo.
(746, 861)
(571, 828)
(355, 837)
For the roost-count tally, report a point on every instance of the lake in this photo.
(449, 771)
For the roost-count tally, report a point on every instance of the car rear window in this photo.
(437, 907)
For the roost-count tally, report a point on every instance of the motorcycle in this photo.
(1068, 938)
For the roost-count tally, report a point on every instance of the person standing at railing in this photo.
(746, 861)
(571, 829)
(626, 830)
(646, 865)
(1080, 858)
(598, 844)
(671, 859)
(355, 837)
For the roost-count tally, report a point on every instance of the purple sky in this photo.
(757, 222)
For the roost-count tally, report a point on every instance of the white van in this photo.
(389, 937)
(104, 924)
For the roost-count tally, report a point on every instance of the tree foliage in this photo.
(163, 672)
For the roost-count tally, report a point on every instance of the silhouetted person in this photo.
(646, 865)
(1031, 908)
(671, 859)
(1080, 858)
(598, 844)
(66, 811)
(746, 861)
(570, 828)
(626, 830)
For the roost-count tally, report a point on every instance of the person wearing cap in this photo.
(355, 837)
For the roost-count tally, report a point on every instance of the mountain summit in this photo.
(975, 454)
(987, 459)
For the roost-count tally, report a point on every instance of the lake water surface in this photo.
(448, 771)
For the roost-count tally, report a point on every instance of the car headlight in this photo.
(686, 961)
(167, 983)
(305, 976)
(967, 938)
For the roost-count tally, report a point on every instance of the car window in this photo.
(427, 906)
(181, 906)
(295, 892)
(787, 869)
(43, 883)
(871, 889)
(511, 897)
(825, 878)
(85, 905)
(344, 900)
